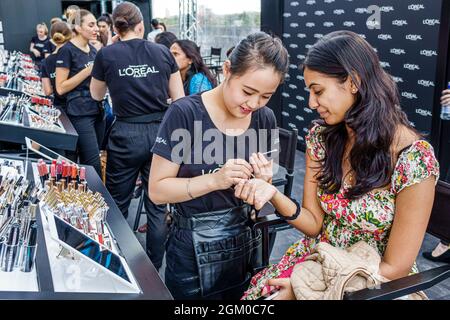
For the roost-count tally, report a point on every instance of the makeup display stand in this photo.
(60, 277)
(63, 137)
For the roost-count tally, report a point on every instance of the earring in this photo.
(354, 91)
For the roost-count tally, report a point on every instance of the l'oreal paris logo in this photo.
(292, 106)
(329, 1)
(400, 23)
(411, 67)
(425, 113)
(428, 53)
(301, 35)
(385, 64)
(409, 95)
(338, 12)
(300, 137)
(307, 110)
(385, 37)
(285, 114)
(294, 3)
(310, 24)
(293, 45)
(286, 35)
(138, 71)
(413, 37)
(362, 35)
(300, 118)
(286, 14)
(293, 126)
(431, 22)
(305, 130)
(293, 66)
(300, 98)
(308, 46)
(361, 10)
(302, 14)
(293, 86)
(349, 23)
(318, 35)
(425, 83)
(319, 13)
(398, 51)
(311, 2)
(416, 7)
(285, 94)
(387, 9)
(328, 24)
(398, 79)
(294, 25)
(301, 56)
(300, 77)
(373, 24)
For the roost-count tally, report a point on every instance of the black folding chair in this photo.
(266, 220)
(439, 226)
(214, 62)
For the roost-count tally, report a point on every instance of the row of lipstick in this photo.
(60, 171)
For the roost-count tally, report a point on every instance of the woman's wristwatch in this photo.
(294, 216)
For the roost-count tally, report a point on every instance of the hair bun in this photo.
(59, 38)
(121, 24)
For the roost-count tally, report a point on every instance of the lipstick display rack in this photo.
(77, 199)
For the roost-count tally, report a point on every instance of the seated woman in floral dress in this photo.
(369, 175)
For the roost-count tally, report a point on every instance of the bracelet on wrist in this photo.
(294, 216)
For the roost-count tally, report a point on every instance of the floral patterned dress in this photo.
(368, 218)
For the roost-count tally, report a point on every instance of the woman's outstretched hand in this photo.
(255, 192)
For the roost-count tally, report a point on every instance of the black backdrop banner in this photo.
(404, 33)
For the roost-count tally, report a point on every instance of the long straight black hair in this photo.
(374, 116)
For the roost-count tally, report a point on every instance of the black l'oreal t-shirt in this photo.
(137, 73)
(48, 70)
(188, 126)
(41, 46)
(73, 58)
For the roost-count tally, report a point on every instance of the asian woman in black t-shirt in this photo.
(60, 33)
(73, 75)
(206, 145)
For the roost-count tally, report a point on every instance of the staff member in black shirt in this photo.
(60, 33)
(206, 145)
(39, 44)
(141, 76)
(73, 75)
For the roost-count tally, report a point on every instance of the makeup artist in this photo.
(211, 247)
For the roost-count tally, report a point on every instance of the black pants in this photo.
(91, 130)
(129, 154)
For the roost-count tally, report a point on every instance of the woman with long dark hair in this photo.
(194, 73)
(369, 175)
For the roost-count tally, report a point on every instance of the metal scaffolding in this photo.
(188, 19)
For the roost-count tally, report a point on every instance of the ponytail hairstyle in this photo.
(192, 51)
(60, 32)
(77, 19)
(126, 16)
(374, 116)
(259, 51)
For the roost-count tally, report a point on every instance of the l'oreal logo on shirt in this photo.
(139, 71)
